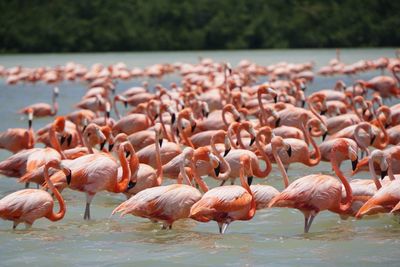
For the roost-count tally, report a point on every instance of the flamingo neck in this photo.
(239, 136)
(133, 163)
(54, 142)
(246, 186)
(115, 108)
(373, 174)
(214, 150)
(183, 133)
(316, 154)
(122, 185)
(316, 113)
(164, 129)
(197, 178)
(280, 166)
(159, 172)
(54, 216)
(390, 170)
(385, 142)
(264, 156)
(349, 193)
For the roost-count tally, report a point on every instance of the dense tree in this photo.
(103, 25)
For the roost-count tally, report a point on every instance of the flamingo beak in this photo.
(107, 114)
(237, 119)
(160, 141)
(102, 145)
(125, 104)
(194, 127)
(252, 140)
(156, 116)
(84, 128)
(69, 140)
(289, 151)
(303, 103)
(62, 140)
(227, 151)
(110, 147)
(277, 122)
(249, 179)
(30, 123)
(276, 99)
(127, 153)
(173, 118)
(383, 174)
(324, 136)
(303, 87)
(217, 169)
(372, 139)
(131, 185)
(354, 164)
(69, 177)
(323, 112)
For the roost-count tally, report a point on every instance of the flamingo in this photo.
(164, 203)
(226, 204)
(43, 109)
(28, 205)
(17, 139)
(314, 193)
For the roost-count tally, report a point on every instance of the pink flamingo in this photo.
(226, 204)
(43, 109)
(314, 193)
(29, 205)
(17, 139)
(164, 203)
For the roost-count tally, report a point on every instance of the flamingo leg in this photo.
(223, 227)
(15, 224)
(223, 182)
(308, 222)
(87, 209)
(27, 185)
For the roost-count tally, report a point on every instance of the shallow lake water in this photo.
(274, 237)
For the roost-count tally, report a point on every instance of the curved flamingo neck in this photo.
(214, 150)
(133, 163)
(122, 185)
(54, 216)
(54, 142)
(231, 131)
(390, 169)
(264, 156)
(357, 137)
(349, 193)
(197, 178)
(373, 174)
(385, 141)
(312, 109)
(183, 133)
(164, 129)
(148, 112)
(239, 136)
(316, 153)
(224, 111)
(395, 74)
(246, 186)
(280, 165)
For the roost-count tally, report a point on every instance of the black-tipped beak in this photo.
(62, 140)
(217, 169)
(276, 99)
(30, 124)
(383, 174)
(194, 127)
(84, 128)
(107, 114)
(372, 139)
(125, 104)
(127, 153)
(177, 132)
(156, 116)
(110, 147)
(69, 177)
(102, 145)
(303, 87)
(324, 136)
(354, 164)
(249, 179)
(323, 112)
(131, 185)
(303, 103)
(289, 151)
(237, 119)
(160, 141)
(173, 117)
(277, 122)
(252, 140)
(69, 140)
(227, 151)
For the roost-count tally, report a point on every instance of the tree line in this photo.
(145, 25)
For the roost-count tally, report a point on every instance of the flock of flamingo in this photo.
(219, 122)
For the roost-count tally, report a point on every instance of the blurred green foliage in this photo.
(101, 25)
